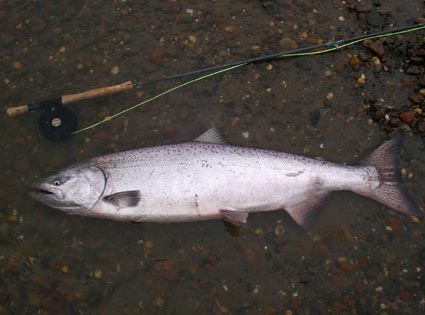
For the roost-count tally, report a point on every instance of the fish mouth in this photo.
(45, 192)
(41, 191)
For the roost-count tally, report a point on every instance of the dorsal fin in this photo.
(212, 135)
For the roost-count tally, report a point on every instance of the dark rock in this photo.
(413, 70)
(416, 60)
(374, 18)
(421, 126)
(416, 98)
(36, 24)
(314, 117)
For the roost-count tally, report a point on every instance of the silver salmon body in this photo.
(207, 179)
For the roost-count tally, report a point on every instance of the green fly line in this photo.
(334, 46)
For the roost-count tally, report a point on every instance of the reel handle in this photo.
(71, 98)
(17, 110)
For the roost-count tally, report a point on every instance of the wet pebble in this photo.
(17, 65)
(378, 48)
(36, 24)
(159, 302)
(288, 43)
(407, 117)
(416, 98)
(361, 80)
(156, 56)
(115, 70)
(394, 223)
(279, 230)
(413, 70)
(374, 18)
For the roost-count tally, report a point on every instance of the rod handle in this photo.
(71, 98)
(17, 110)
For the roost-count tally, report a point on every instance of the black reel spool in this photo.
(56, 122)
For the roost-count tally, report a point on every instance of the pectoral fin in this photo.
(235, 217)
(302, 212)
(124, 199)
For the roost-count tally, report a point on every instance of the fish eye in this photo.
(56, 182)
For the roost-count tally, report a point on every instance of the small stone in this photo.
(375, 19)
(414, 219)
(230, 29)
(341, 18)
(354, 61)
(289, 43)
(419, 20)
(378, 48)
(416, 98)
(193, 39)
(258, 231)
(245, 134)
(407, 117)
(361, 80)
(12, 218)
(36, 24)
(189, 11)
(422, 92)
(279, 230)
(149, 244)
(330, 96)
(156, 56)
(413, 70)
(97, 273)
(17, 65)
(394, 223)
(404, 172)
(405, 295)
(65, 268)
(62, 49)
(319, 248)
(159, 302)
(375, 60)
(339, 67)
(269, 67)
(115, 70)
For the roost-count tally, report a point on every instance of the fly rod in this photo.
(58, 122)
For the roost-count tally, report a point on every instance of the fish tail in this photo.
(389, 191)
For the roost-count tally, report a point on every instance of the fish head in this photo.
(75, 189)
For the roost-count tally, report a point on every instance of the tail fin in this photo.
(389, 192)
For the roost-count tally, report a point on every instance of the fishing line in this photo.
(156, 96)
(58, 122)
(335, 45)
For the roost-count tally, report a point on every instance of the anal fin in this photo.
(234, 217)
(302, 212)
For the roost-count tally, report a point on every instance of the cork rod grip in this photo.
(18, 110)
(71, 98)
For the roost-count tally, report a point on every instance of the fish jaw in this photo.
(44, 192)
